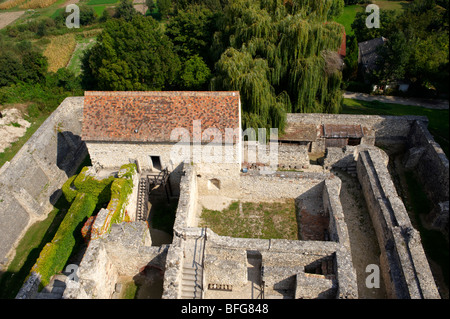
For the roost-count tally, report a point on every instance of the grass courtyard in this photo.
(254, 220)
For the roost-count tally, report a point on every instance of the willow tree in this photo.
(281, 55)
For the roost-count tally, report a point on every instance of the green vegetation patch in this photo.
(54, 255)
(99, 189)
(95, 2)
(348, 16)
(254, 220)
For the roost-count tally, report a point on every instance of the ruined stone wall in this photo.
(30, 183)
(428, 160)
(187, 202)
(381, 130)
(125, 251)
(281, 185)
(403, 262)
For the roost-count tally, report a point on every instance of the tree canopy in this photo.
(281, 57)
(131, 55)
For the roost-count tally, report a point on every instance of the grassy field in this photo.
(349, 14)
(256, 220)
(438, 119)
(347, 18)
(96, 2)
(83, 44)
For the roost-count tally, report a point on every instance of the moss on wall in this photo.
(55, 254)
(85, 192)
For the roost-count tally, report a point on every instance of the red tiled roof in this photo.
(342, 131)
(343, 48)
(151, 116)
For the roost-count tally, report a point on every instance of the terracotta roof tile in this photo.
(151, 116)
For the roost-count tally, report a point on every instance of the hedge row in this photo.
(85, 193)
(55, 254)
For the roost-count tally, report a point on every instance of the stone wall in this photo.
(125, 251)
(428, 160)
(226, 257)
(382, 130)
(404, 265)
(30, 184)
(281, 185)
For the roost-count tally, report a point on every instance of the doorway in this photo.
(156, 162)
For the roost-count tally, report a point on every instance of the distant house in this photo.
(368, 56)
(367, 60)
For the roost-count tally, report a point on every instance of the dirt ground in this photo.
(363, 241)
(12, 126)
(9, 17)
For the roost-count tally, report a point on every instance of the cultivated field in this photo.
(59, 51)
(9, 17)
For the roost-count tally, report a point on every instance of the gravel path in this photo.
(427, 103)
(363, 240)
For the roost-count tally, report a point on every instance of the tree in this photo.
(125, 10)
(280, 57)
(195, 74)
(191, 31)
(387, 26)
(164, 7)
(151, 5)
(351, 58)
(131, 55)
(21, 62)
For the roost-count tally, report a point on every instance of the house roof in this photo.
(299, 132)
(152, 116)
(368, 52)
(343, 48)
(342, 131)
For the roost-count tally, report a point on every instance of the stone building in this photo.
(143, 127)
(147, 127)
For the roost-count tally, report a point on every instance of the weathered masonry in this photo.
(118, 128)
(30, 183)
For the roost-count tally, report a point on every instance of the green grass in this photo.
(348, 16)
(95, 2)
(257, 220)
(438, 119)
(99, 9)
(75, 62)
(391, 5)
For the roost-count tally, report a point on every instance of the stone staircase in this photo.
(192, 282)
(351, 168)
(55, 289)
(142, 203)
(192, 272)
